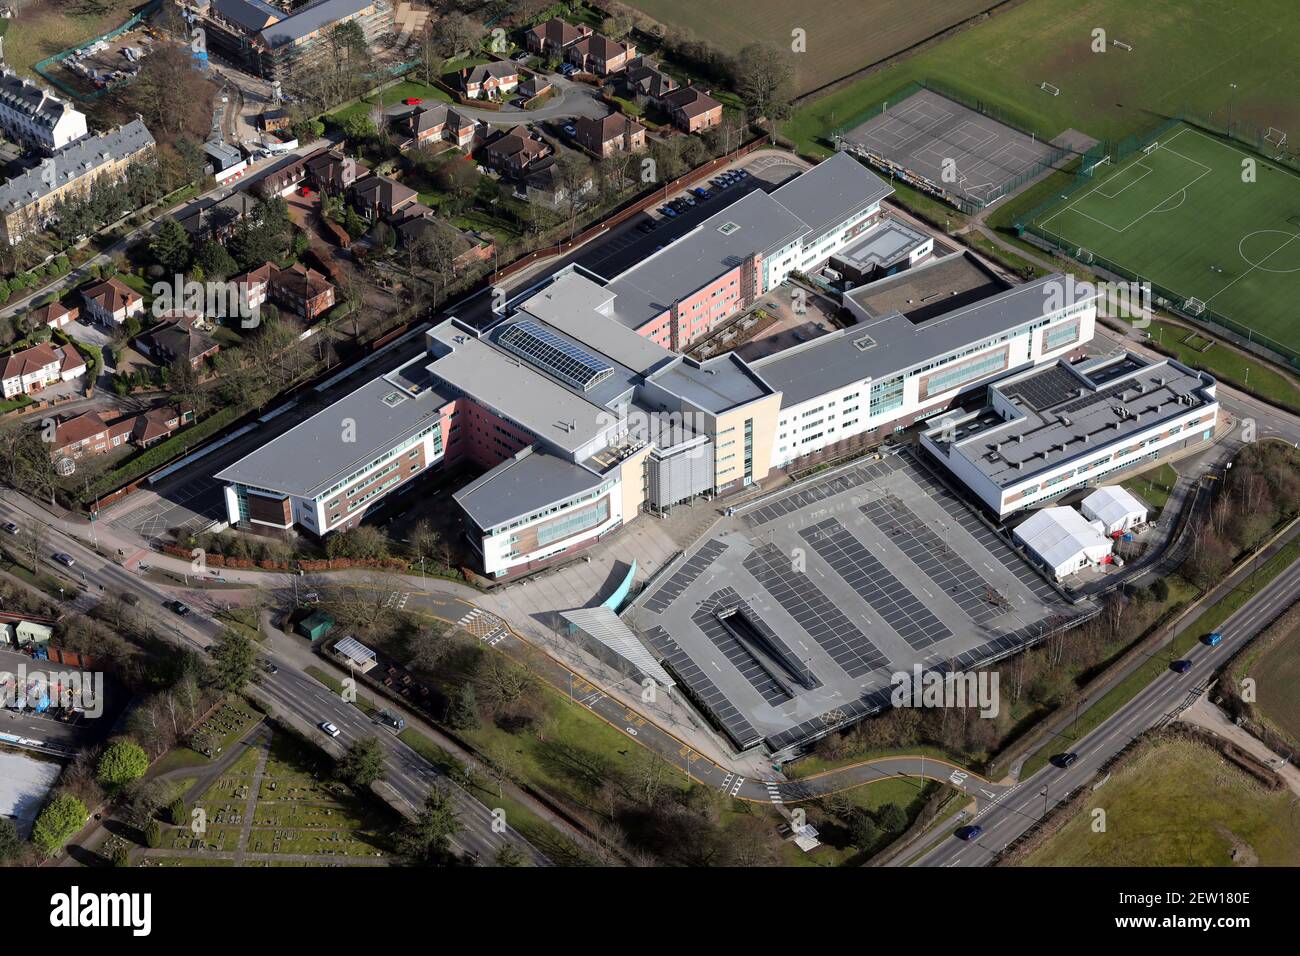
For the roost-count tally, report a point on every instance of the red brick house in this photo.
(515, 152)
(298, 289)
(491, 81)
(55, 315)
(554, 36)
(91, 433)
(610, 134)
(691, 109)
(600, 55)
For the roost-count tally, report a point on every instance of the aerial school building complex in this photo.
(581, 413)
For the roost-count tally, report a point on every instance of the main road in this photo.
(294, 695)
(1022, 805)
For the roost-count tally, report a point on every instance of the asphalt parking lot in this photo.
(862, 573)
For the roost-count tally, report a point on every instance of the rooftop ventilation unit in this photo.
(864, 342)
(727, 228)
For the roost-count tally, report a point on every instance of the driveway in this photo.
(573, 100)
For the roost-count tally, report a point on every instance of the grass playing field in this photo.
(1212, 57)
(1184, 215)
(842, 35)
(1278, 673)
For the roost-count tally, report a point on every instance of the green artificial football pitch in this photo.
(1201, 218)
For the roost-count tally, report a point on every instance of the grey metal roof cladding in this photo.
(582, 309)
(1074, 415)
(831, 361)
(831, 192)
(555, 354)
(528, 482)
(518, 391)
(606, 393)
(252, 15)
(699, 257)
(313, 454)
(307, 20)
(608, 628)
(74, 161)
(715, 385)
(889, 242)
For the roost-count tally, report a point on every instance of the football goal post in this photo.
(1275, 137)
(1104, 161)
(1150, 148)
(1083, 255)
(1049, 88)
(1194, 306)
(1126, 47)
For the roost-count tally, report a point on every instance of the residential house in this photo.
(435, 124)
(298, 289)
(491, 81)
(554, 36)
(692, 110)
(610, 134)
(35, 117)
(516, 151)
(216, 218)
(112, 302)
(92, 433)
(600, 55)
(29, 200)
(333, 172)
(55, 315)
(534, 85)
(283, 180)
(467, 247)
(378, 197)
(30, 370)
(542, 186)
(178, 336)
(643, 81)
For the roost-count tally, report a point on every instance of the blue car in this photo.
(1180, 667)
(1212, 640)
(969, 832)
(669, 211)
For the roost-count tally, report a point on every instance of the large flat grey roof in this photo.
(74, 161)
(755, 224)
(831, 192)
(517, 390)
(314, 454)
(1063, 411)
(528, 482)
(894, 344)
(715, 385)
(582, 308)
(888, 242)
(307, 20)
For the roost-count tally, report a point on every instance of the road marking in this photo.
(740, 781)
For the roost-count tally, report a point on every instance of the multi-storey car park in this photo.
(580, 416)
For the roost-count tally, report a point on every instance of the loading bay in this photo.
(791, 616)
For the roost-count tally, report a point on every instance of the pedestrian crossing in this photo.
(487, 627)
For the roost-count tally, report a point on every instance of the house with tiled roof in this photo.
(600, 55)
(491, 81)
(30, 370)
(32, 115)
(692, 110)
(178, 337)
(95, 433)
(112, 302)
(379, 197)
(516, 151)
(434, 124)
(300, 290)
(608, 135)
(554, 36)
(642, 80)
(333, 172)
(55, 315)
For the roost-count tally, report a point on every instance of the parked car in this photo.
(392, 720)
(1213, 640)
(10, 527)
(180, 608)
(669, 211)
(568, 69)
(1180, 667)
(66, 560)
(1064, 760)
(329, 729)
(700, 193)
(304, 191)
(412, 101)
(969, 832)
(569, 130)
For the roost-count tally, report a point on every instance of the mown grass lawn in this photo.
(1225, 363)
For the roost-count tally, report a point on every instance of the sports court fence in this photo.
(964, 202)
(1030, 227)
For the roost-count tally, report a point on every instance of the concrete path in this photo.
(1207, 716)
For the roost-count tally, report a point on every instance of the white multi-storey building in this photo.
(33, 116)
(1053, 429)
(898, 365)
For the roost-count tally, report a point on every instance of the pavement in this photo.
(1208, 716)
